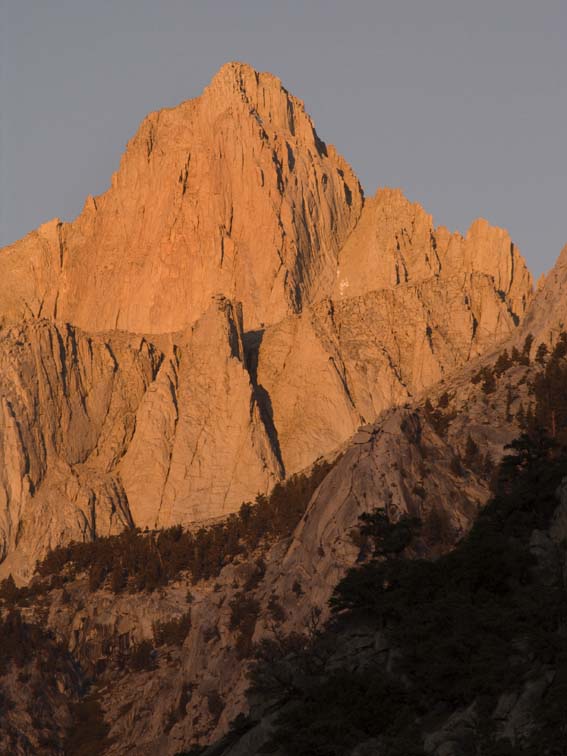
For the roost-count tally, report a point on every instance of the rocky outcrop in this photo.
(547, 317)
(68, 407)
(395, 242)
(200, 447)
(409, 463)
(342, 362)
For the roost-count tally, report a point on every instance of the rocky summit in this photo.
(206, 380)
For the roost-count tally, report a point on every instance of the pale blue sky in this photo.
(461, 104)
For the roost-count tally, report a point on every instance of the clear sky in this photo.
(461, 104)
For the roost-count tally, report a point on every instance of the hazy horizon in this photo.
(461, 107)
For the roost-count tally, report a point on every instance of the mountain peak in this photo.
(231, 192)
(268, 101)
(242, 75)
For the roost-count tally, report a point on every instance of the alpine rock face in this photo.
(227, 312)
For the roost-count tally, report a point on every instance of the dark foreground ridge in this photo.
(460, 645)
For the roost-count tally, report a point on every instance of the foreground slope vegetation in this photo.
(144, 561)
(71, 720)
